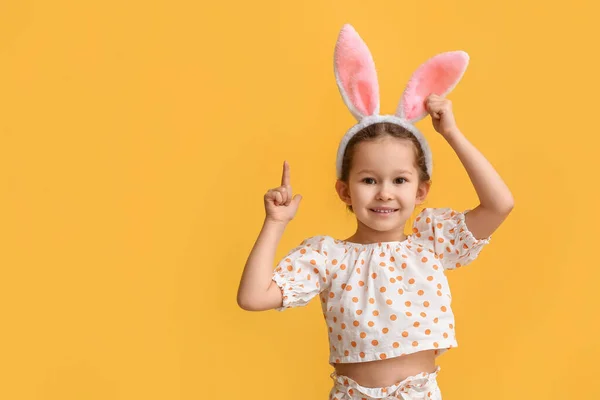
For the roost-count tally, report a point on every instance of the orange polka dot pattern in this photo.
(382, 300)
(423, 386)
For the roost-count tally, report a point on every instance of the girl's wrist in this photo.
(453, 135)
(274, 222)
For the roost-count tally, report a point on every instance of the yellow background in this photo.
(137, 139)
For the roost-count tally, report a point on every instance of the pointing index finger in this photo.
(285, 177)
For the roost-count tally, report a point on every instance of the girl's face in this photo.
(383, 188)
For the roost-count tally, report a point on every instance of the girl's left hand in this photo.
(442, 117)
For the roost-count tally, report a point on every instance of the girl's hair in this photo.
(378, 131)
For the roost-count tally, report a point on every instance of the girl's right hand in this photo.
(279, 203)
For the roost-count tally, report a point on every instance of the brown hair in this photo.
(378, 131)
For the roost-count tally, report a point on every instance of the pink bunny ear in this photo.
(355, 74)
(439, 75)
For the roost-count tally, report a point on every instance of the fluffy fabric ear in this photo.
(355, 74)
(439, 75)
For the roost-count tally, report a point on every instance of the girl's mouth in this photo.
(383, 211)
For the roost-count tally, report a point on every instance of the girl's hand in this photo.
(442, 117)
(279, 204)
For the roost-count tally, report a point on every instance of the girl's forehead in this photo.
(389, 153)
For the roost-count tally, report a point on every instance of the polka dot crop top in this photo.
(387, 299)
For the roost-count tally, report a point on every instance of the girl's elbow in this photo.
(244, 304)
(509, 204)
(247, 305)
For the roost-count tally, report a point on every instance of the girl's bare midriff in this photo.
(387, 372)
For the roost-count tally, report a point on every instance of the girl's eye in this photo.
(371, 180)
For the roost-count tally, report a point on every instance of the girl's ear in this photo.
(422, 192)
(355, 74)
(343, 191)
(439, 75)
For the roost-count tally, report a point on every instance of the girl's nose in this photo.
(384, 193)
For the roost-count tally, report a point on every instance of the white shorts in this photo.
(422, 386)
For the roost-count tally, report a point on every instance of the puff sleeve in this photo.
(445, 230)
(302, 273)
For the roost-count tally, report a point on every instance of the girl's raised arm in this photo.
(495, 199)
(257, 291)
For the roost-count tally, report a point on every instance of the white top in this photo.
(387, 299)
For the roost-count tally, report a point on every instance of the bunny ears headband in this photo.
(357, 81)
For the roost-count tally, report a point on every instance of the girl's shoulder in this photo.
(430, 218)
(322, 242)
(325, 244)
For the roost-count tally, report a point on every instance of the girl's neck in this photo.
(366, 235)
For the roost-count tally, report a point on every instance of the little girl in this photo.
(384, 294)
